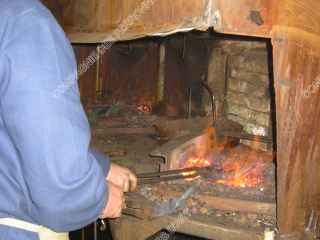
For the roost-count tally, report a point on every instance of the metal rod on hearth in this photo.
(194, 172)
(158, 174)
(159, 179)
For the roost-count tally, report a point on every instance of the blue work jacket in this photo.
(48, 173)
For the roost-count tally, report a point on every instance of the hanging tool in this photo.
(127, 52)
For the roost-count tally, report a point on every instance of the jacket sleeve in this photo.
(65, 177)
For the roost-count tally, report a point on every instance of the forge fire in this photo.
(243, 167)
(240, 174)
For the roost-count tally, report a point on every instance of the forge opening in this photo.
(149, 88)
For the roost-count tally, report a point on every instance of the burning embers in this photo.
(245, 177)
(235, 185)
(235, 167)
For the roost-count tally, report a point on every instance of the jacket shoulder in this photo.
(17, 16)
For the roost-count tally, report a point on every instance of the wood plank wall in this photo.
(296, 42)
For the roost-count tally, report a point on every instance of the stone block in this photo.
(233, 73)
(256, 89)
(255, 129)
(234, 84)
(240, 111)
(233, 46)
(237, 98)
(260, 118)
(256, 145)
(237, 119)
(243, 86)
(217, 74)
(253, 116)
(252, 77)
(253, 61)
(259, 103)
(251, 128)
(259, 62)
(235, 61)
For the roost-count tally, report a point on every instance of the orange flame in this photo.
(248, 179)
(195, 162)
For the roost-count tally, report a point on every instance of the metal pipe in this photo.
(95, 231)
(161, 68)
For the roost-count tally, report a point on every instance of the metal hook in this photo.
(125, 53)
(212, 100)
(172, 98)
(277, 233)
(103, 225)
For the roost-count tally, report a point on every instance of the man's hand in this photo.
(116, 202)
(122, 177)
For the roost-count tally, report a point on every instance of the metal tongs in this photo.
(141, 211)
(194, 172)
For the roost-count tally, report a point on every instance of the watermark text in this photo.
(172, 228)
(312, 88)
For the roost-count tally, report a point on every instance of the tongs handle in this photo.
(208, 173)
(159, 179)
(132, 212)
(146, 178)
(158, 174)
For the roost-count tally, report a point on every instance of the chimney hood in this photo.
(88, 21)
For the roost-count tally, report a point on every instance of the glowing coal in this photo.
(243, 166)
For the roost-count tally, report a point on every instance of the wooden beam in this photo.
(87, 21)
(243, 17)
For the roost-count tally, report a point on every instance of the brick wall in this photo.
(239, 75)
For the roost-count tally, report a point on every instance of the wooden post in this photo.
(296, 54)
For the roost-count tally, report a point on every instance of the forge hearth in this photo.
(247, 198)
(240, 207)
(254, 183)
(225, 211)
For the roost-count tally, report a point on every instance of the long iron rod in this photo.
(158, 174)
(159, 179)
